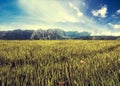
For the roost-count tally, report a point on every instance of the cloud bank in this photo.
(62, 14)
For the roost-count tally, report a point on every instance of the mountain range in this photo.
(51, 34)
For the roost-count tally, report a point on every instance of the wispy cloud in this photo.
(118, 11)
(62, 14)
(49, 11)
(78, 12)
(102, 12)
(25, 26)
(115, 26)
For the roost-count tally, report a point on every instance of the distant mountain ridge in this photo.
(16, 34)
(99, 38)
(51, 34)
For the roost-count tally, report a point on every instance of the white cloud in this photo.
(66, 15)
(47, 10)
(5, 28)
(101, 12)
(116, 15)
(24, 26)
(115, 26)
(83, 4)
(118, 11)
(79, 13)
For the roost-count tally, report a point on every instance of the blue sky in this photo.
(100, 17)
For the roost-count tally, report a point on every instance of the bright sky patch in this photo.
(99, 17)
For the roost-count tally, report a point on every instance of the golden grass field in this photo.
(60, 63)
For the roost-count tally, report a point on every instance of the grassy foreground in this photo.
(60, 63)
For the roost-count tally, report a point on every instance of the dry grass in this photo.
(65, 62)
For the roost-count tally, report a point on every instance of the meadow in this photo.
(60, 63)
